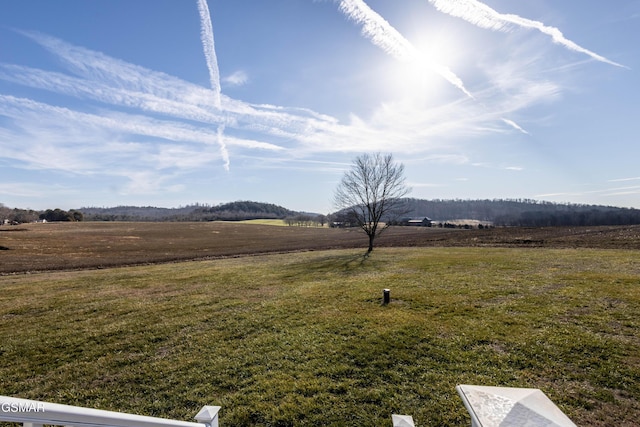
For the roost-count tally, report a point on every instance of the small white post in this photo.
(208, 416)
(402, 420)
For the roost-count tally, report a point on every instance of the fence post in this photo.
(208, 415)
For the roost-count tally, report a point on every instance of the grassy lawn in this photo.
(278, 222)
(302, 339)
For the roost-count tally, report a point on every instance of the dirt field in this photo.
(67, 246)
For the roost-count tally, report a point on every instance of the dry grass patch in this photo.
(303, 339)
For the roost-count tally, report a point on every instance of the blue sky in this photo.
(173, 102)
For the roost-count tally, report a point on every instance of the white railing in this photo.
(34, 413)
(487, 406)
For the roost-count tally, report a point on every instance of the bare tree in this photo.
(370, 191)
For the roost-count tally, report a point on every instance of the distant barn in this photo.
(416, 222)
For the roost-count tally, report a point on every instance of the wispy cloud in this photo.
(385, 36)
(237, 78)
(624, 191)
(23, 111)
(139, 123)
(165, 95)
(604, 192)
(114, 83)
(637, 178)
(19, 189)
(484, 16)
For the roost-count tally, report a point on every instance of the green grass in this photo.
(303, 339)
(278, 222)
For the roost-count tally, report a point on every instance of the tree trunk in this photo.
(371, 237)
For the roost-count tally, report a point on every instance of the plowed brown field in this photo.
(85, 245)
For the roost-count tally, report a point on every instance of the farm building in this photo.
(416, 222)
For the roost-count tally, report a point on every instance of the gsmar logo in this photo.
(17, 407)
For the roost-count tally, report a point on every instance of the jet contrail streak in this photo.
(208, 44)
(223, 147)
(483, 16)
(206, 35)
(515, 125)
(385, 36)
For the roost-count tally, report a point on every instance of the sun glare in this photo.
(422, 77)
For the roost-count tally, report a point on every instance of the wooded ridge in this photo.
(499, 212)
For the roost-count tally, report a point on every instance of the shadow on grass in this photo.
(339, 263)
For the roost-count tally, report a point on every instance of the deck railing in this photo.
(487, 406)
(34, 413)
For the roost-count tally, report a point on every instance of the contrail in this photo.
(206, 35)
(208, 44)
(483, 16)
(515, 125)
(223, 147)
(385, 36)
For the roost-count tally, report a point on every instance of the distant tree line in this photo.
(306, 220)
(21, 216)
(588, 217)
(518, 212)
(234, 211)
(17, 216)
(522, 212)
(61, 215)
(138, 213)
(242, 210)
